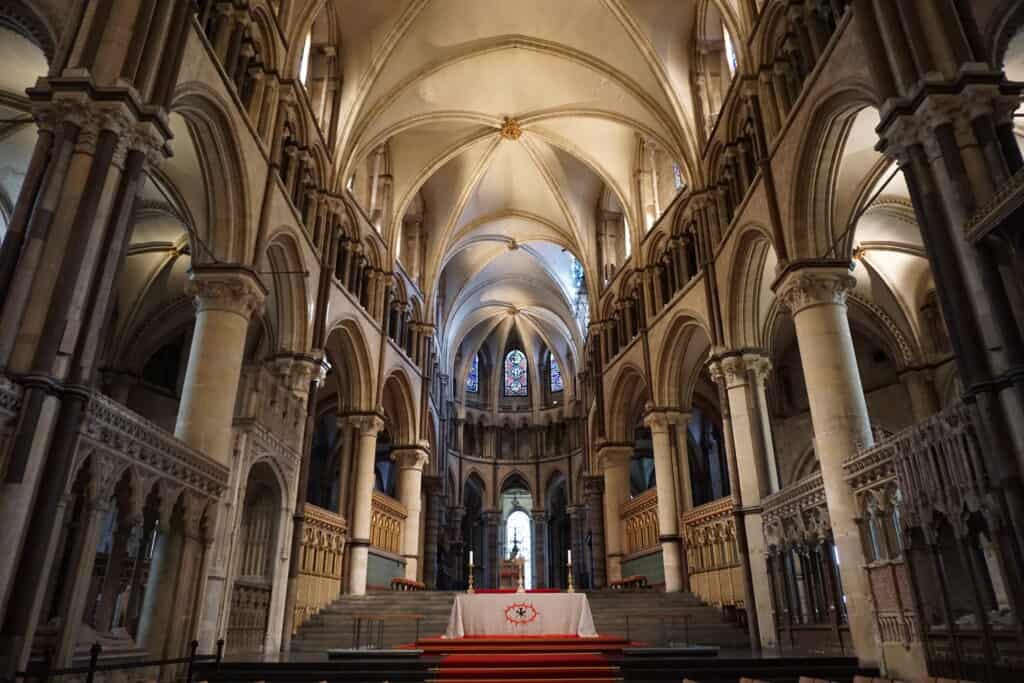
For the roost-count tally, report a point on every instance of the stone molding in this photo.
(733, 371)
(233, 289)
(815, 285)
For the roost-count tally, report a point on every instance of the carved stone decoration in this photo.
(510, 129)
(807, 288)
(366, 423)
(231, 289)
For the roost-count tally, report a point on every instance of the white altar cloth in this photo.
(521, 614)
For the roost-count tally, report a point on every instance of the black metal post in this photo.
(94, 656)
(192, 647)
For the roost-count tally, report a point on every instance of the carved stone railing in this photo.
(320, 562)
(10, 406)
(386, 523)
(1007, 198)
(640, 522)
(119, 438)
(712, 554)
(797, 513)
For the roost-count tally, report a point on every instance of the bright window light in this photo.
(730, 52)
(304, 64)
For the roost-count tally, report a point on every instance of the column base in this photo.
(613, 568)
(358, 561)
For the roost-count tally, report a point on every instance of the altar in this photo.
(521, 614)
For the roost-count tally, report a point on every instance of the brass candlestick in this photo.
(521, 588)
(469, 589)
(570, 589)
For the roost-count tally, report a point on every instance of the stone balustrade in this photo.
(387, 520)
(716, 575)
(320, 562)
(640, 522)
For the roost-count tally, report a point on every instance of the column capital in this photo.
(234, 289)
(412, 458)
(733, 369)
(613, 455)
(661, 419)
(368, 424)
(593, 485)
(814, 283)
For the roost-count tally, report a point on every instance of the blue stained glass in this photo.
(473, 378)
(516, 382)
(556, 375)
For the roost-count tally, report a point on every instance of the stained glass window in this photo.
(556, 375)
(473, 378)
(516, 382)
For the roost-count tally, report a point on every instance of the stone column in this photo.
(369, 425)
(491, 550)
(117, 558)
(742, 376)
(924, 401)
(615, 466)
(226, 297)
(540, 536)
(79, 577)
(435, 501)
(593, 497)
(158, 602)
(816, 296)
(410, 487)
(668, 511)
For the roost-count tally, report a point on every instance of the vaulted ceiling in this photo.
(506, 125)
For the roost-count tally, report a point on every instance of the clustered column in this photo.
(816, 296)
(742, 375)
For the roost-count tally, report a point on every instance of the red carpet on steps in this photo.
(525, 658)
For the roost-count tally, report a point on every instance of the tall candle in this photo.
(470, 558)
(570, 555)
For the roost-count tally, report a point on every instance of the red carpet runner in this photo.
(525, 658)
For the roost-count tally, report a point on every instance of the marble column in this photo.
(815, 294)
(409, 490)
(226, 297)
(742, 375)
(435, 502)
(492, 550)
(593, 497)
(358, 544)
(615, 466)
(668, 511)
(540, 556)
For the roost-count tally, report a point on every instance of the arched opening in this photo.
(516, 537)
(558, 527)
(256, 562)
(472, 532)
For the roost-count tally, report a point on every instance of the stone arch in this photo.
(752, 263)
(348, 353)
(27, 21)
(399, 408)
(811, 231)
(224, 235)
(688, 342)
(287, 300)
(629, 396)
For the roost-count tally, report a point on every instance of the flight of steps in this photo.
(655, 618)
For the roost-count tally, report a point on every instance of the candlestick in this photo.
(469, 588)
(570, 589)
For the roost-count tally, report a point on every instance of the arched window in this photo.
(473, 378)
(556, 374)
(730, 52)
(516, 382)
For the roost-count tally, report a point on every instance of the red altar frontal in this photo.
(533, 613)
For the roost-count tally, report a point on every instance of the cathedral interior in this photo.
(302, 300)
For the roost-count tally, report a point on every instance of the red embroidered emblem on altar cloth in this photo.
(520, 613)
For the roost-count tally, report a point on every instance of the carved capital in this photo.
(233, 289)
(736, 370)
(609, 457)
(815, 286)
(368, 424)
(661, 421)
(410, 458)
